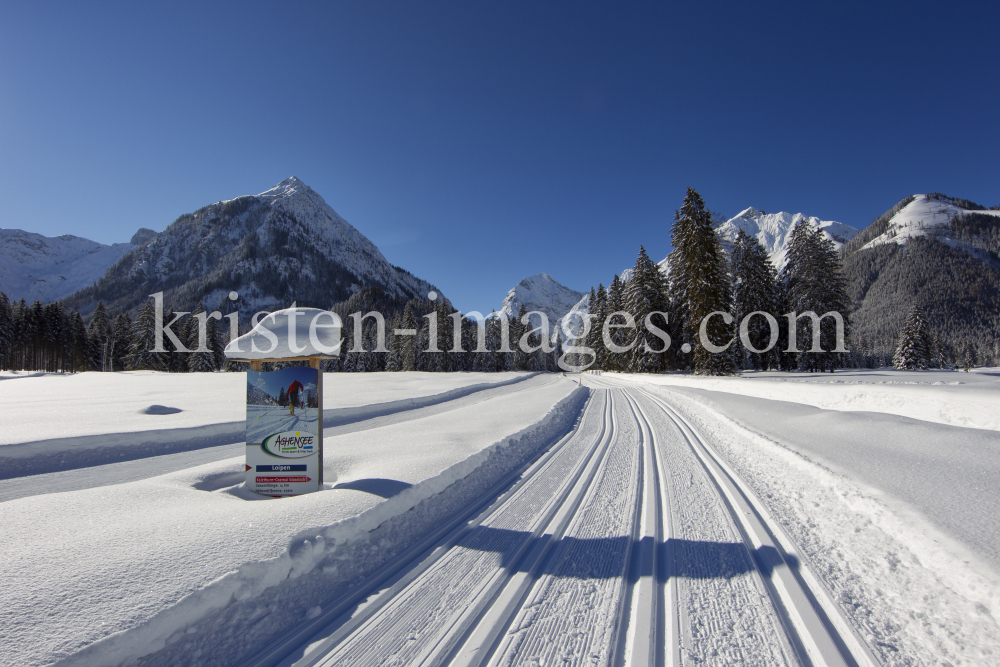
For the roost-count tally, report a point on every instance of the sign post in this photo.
(284, 417)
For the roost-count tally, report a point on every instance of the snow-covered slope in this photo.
(33, 266)
(774, 230)
(922, 216)
(283, 245)
(542, 292)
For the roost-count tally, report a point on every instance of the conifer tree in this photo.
(645, 293)
(617, 361)
(700, 284)
(119, 342)
(98, 331)
(814, 281)
(754, 289)
(205, 361)
(492, 361)
(914, 349)
(141, 356)
(394, 362)
(598, 311)
(408, 353)
(81, 347)
(6, 333)
(518, 359)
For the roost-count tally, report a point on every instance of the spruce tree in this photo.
(207, 360)
(700, 283)
(408, 353)
(598, 311)
(645, 293)
(622, 337)
(141, 355)
(6, 333)
(81, 346)
(97, 332)
(814, 281)
(394, 362)
(914, 349)
(754, 289)
(518, 359)
(119, 342)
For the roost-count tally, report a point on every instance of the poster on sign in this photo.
(283, 414)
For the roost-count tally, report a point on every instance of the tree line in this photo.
(701, 282)
(650, 321)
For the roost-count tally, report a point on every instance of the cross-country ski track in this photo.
(629, 542)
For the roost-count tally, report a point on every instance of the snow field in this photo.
(134, 564)
(56, 422)
(975, 405)
(915, 595)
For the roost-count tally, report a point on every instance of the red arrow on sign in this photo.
(248, 467)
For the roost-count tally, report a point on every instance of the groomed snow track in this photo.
(628, 543)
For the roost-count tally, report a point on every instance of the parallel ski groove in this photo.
(642, 629)
(573, 612)
(805, 618)
(432, 608)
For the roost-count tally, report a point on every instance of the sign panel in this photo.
(283, 431)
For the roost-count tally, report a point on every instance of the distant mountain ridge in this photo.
(46, 268)
(932, 251)
(543, 293)
(281, 246)
(774, 230)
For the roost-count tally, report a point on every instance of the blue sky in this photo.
(479, 142)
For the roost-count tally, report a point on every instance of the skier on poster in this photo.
(293, 395)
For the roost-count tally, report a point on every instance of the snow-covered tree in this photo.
(914, 349)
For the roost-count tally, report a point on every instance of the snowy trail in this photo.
(815, 629)
(628, 543)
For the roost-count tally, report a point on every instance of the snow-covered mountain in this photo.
(283, 245)
(542, 292)
(46, 268)
(774, 230)
(933, 251)
(924, 215)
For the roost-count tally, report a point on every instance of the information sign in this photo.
(283, 431)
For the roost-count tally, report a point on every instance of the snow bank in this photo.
(99, 418)
(959, 399)
(131, 565)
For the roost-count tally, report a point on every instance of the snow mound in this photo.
(288, 334)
